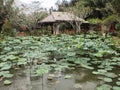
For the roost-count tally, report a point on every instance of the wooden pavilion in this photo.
(56, 18)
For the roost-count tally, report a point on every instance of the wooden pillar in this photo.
(78, 25)
(56, 28)
(53, 28)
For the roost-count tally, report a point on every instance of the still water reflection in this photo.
(81, 79)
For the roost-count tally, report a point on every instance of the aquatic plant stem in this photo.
(42, 82)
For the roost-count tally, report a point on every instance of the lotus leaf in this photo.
(22, 61)
(118, 83)
(42, 70)
(7, 48)
(11, 57)
(86, 66)
(71, 54)
(6, 66)
(104, 87)
(111, 75)
(7, 82)
(118, 78)
(67, 76)
(94, 72)
(107, 79)
(116, 88)
(7, 75)
(77, 50)
(4, 72)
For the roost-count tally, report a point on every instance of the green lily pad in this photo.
(21, 61)
(118, 78)
(51, 76)
(100, 71)
(116, 88)
(6, 67)
(94, 72)
(101, 78)
(71, 54)
(42, 70)
(7, 75)
(7, 82)
(107, 79)
(78, 86)
(11, 57)
(104, 87)
(67, 76)
(111, 75)
(118, 83)
(58, 68)
(7, 48)
(86, 66)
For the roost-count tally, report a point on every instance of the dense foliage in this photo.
(63, 51)
(95, 11)
(100, 8)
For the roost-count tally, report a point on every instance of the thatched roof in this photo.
(61, 16)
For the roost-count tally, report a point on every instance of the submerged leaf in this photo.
(7, 82)
(67, 76)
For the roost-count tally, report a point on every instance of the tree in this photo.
(1, 10)
(77, 8)
(1, 14)
(116, 6)
(62, 5)
(26, 17)
(37, 13)
(5, 10)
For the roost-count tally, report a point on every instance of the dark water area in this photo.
(80, 79)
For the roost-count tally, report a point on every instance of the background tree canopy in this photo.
(95, 11)
(100, 8)
(103, 12)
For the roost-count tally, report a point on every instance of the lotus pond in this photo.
(62, 62)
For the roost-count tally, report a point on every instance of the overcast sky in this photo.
(44, 3)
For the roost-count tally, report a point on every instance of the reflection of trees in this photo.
(82, 75)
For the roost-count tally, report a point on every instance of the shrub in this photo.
(94, 21)
(110, 19)
(7, 28)
(117, 26)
